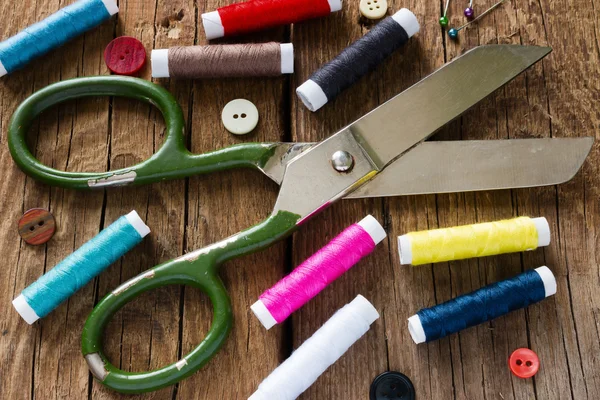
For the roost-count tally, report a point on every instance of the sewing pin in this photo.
(444, 18)
(453, 32)
(469, 13)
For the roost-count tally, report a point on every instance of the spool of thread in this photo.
(220, 61)
(54, 31)
(358, 59)
(256, 15)
(71, 274)
(317, 353)
(482, 305)
(477, 240)
(318, 271)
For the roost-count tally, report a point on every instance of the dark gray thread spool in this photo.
(358, 59)
(220, 61)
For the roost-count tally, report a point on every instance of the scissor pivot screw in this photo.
(342, 161)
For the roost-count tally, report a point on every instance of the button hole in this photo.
(31, 228)
(528, 363)
(235, 116)
(519, 362)
(244, 115)
(41, 223)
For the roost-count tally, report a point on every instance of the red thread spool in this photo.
(256, 15)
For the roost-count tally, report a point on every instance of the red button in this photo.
(524, 363)
(125, 55)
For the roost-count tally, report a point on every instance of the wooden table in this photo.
(558, 97)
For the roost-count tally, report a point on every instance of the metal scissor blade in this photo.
(469, 165)
(418, 112)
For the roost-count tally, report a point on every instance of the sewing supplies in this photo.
(226, 60)
(240, 116)
(317, 353)
(37, 226)
(482, 305)
(444, 18)
(373, 9)
(365, 159)
(356, 60)
(453, 32)
(469, 12)
(125, 55)
(54, 31)
(255, 15)
(71, 274)
(476, 240)
(318, 271)
(524, 363)
(392, 385)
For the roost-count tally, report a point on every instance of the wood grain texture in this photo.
(556, 98)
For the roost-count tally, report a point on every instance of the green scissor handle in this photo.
(199, 269)
(172, 160)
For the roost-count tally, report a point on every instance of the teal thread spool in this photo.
(54, 31)
(71, 274)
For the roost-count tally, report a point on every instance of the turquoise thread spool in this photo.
(71, 274)
(54, 31)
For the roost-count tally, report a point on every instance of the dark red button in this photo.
(125, 55)
(524, 363)
(37, 226)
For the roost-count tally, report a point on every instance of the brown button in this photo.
(37, 226)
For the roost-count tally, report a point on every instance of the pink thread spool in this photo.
(318, 271)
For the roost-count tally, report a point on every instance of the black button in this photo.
(392, 386)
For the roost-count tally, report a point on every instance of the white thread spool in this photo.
(317, 353)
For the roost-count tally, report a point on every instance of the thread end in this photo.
(137, 223)
(24, 309)
(262, 313)
(373, 228)
(213, 27)
(548, 279)
(311, 95)
(111, 6)
(287, 58)
(407, 20)
(405, 250)
(365, 309)
(543, 231)
(335, 5)
(416, 329)
(159, 60)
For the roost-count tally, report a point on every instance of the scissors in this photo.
(384, 153)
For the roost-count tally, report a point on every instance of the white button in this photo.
(240, 116)
(373, 9)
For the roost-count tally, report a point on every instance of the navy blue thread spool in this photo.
(54, 31)
(358, 59)
(482, 305)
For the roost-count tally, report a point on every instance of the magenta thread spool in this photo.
(275, 305)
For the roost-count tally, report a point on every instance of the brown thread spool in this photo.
(220, 61)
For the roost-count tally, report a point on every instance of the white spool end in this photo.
(160, 63)
(548, 279)
(3, 70)
(543, 231)
(213, 27)
(373, 228)
(25, 310)
(406, 19)
(335, 5)
(262, 313)
(287, 58)
(137, 223)
(364, 307)
(311, 95)
(405, 250)
(416, 329)
(111, 6)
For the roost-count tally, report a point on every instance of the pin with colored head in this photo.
(469, 13)
(444, 18)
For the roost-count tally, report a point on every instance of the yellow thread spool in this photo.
(477, 240)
